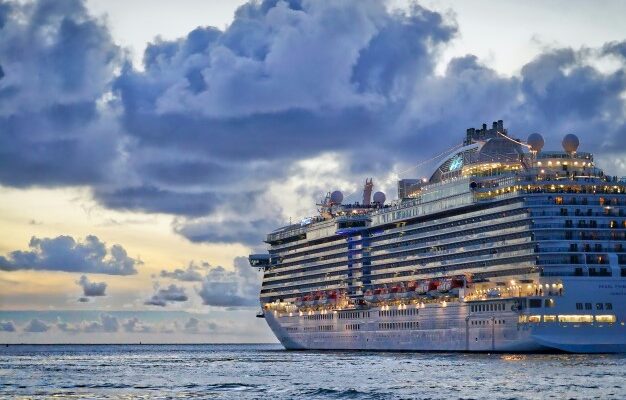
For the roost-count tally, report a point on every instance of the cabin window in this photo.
(587, 306)
(579, 306)
(599, 306)
(534, 303)
(608, 306)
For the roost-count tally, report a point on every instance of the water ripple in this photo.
(266, 371)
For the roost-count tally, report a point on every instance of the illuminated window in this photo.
(606, 318)
(523, 319)
(558, 200)
(575, 318)
(534, 318)
(549, 318)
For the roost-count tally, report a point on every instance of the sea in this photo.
(267, 371)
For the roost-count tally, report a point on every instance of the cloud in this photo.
(7, 326)
(57, 65)
(192, 325)
(36, 326)
(193, 273)
(172, 293)
(106, 323)
(214, 122)
(91, 289)
(63, 253)
(136, 325)
(238, 288)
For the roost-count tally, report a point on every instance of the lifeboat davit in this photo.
(448, 285)
(423, 287)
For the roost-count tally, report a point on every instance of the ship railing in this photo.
(489, 236)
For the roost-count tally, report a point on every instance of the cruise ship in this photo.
(504, 248)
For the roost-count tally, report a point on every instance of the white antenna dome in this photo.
(570, 143)
(379, 197)
(336, 197)
(535, 141)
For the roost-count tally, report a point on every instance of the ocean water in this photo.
(268, 371)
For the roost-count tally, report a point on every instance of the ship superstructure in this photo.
(505, 247)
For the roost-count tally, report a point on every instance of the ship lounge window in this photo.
(533, 319)
(549, 318)
(534, 303)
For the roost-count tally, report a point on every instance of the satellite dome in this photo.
(570, 143)
(336, 197)
(379, 197)
(535, 141)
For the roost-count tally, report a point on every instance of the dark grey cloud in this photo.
(63, 253)
(92, 289)
(7, 326)
(36, 326)
(192, 273)
(57, 62)
(237, 288)
(170, 294)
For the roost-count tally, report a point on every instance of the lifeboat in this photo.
(411, 288)
(380, 294)
(332, 297)
(369, 296)
(398, 291)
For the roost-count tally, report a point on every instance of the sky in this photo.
(147, 147)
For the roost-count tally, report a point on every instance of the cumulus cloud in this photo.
(217, 119)
(7, 326)
(237, 288)
(193, 273)
(92, 289)
(36, 326)
(170, 294)
(64, 253)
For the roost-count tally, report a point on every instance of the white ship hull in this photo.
(456, 328)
